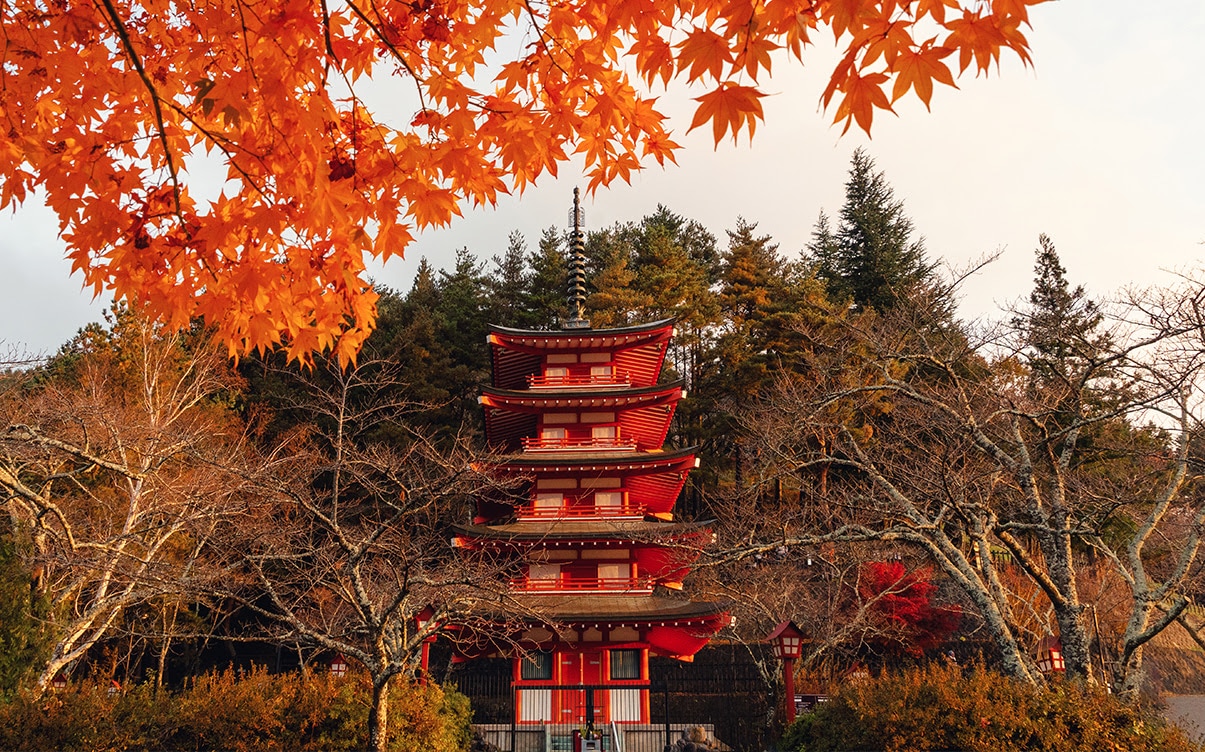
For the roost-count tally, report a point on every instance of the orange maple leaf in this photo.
(729, 107)
(917, 69)
(754, 56)
(976, 37)
(704, 51)
(862, 95)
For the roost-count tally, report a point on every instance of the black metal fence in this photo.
(724, 691)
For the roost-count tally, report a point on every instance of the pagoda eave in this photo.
(532, 401)
(541, 340)
(585, 532)
(677, 460)
(673, 628)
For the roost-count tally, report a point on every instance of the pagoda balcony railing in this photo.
(615, 379)
(583, 584)
(588, 510)
(553, 444)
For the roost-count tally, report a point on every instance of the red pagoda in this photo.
(579, 419)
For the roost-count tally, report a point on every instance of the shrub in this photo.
(941, 708)
(236, 712)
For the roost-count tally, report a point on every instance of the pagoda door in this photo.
(584, 668)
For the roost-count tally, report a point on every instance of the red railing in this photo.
(578, 584)
(616, 378)
(547, 443)
(586, 510)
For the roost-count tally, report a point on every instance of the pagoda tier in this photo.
(592, 556)
(635, 485)
(667, 626)
(627, 420)
(626, 357)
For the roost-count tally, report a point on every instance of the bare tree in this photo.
(346, 538)
(107, 469)
(949, 445)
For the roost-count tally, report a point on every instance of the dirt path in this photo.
(1189, 712)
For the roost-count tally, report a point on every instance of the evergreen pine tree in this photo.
(613, 299)
(508, 286)
(462, 311)
(549, 281)
(418, 343)
(25, 638)
(1059, 328)
(871, 258)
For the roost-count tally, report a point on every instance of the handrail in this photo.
(547, 443)
(625, 584)
(613, 379)
(587, 510)
(616, 737)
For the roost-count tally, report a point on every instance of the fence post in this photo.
(590, 711)
(514, 706)
(665, 708)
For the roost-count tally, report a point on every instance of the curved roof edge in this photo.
(569, 460)
(636, 329)
(638, 532)
(563, 394)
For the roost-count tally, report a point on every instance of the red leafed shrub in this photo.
(903, 614)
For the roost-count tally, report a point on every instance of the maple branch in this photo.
(119, 28)
(543, 38)
(401, 59)
(326, 39)
(221, 142)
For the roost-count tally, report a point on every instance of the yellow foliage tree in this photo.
(112, 107)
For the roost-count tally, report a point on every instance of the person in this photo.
(694, 739)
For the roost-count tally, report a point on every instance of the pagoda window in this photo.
(536, 666)
(611, 574)
(625, 665)
(552, 436)
(602, 373)
(546, 503)
(608, 501)
(604, 435)
(556, 373)
(545, 574)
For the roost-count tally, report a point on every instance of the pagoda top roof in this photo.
(586, 333)
(577, 529)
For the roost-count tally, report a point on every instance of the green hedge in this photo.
(235, 711)
(942, 708)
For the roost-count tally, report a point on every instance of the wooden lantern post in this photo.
(787, 641)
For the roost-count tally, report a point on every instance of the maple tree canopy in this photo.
(114, 108)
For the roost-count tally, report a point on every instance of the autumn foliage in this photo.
(118, 111)
(903, 603)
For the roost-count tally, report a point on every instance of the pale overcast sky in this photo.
(1098, 146)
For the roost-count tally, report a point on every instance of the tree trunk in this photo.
(1077, 647)
(378, 716)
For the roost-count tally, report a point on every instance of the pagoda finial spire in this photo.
(577, 269)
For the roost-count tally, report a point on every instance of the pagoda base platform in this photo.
(554, 737)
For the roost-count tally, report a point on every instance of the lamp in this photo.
(787, 643)
(422, 621)
(339, 665)
(1050, 656)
